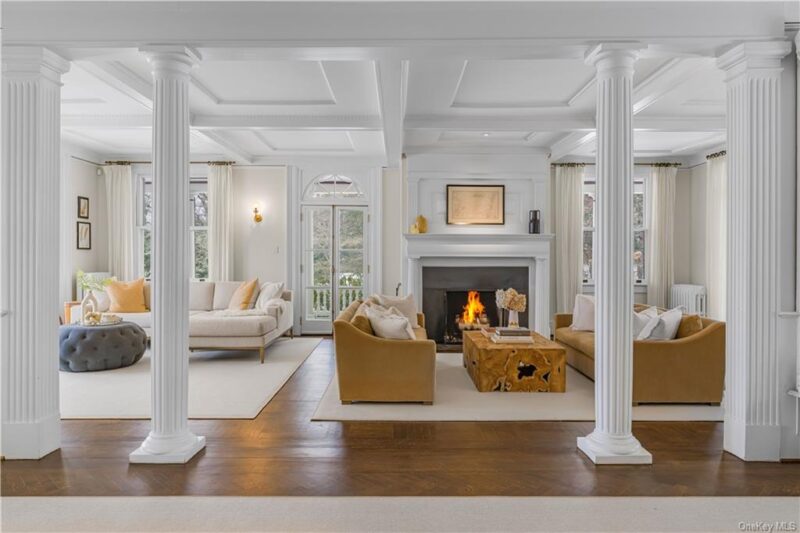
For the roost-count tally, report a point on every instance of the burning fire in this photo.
(474, 308)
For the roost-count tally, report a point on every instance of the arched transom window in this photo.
(330, 187)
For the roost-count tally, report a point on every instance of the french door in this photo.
(334, 264)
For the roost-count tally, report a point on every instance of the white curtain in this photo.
(716, 236)
(120, 199)
(568, 222)
(220, 229)
(660, 262)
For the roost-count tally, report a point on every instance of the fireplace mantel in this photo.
(477, 245)
(483, 250)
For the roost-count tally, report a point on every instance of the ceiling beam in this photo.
(667, 77)
(530, 123)
(230, 148)
(120, 78)
(392, 80)
(679, 123)
(288, 122)
(109, 122)
(569, 143)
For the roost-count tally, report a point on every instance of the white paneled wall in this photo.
(526, 181)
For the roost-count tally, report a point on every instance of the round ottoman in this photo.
(90, 348)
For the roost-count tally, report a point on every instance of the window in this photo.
(332, 187)
(639, 229)
(198, 205)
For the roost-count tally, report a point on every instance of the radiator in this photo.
(691, 297)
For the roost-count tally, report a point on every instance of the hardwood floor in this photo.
(282, 452)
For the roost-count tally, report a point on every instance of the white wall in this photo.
(392, 229)
(259, 249)
(81, 179)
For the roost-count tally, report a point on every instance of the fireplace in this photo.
(445, 292)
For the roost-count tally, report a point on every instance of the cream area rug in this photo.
(222, 384)
(457, 399)
(401, 514)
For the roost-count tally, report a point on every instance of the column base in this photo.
(752, 442)
(186, 448)
(31, 440)
(625, 451)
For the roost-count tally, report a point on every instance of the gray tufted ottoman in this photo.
(89, 348)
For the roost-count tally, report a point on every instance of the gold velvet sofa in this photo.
(689, 369)
(373, 369)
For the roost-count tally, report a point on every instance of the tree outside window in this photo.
(639, 230)
(198, 204)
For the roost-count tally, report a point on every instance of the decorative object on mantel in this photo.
(476, 204)
(422, 224)
(512, 301)
(534, 222)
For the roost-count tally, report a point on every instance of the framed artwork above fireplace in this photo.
(476, 204)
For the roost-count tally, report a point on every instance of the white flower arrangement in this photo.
(510, 299)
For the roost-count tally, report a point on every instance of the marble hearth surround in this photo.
(476, 251)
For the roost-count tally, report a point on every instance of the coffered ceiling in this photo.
(280, 80)
(252, 110)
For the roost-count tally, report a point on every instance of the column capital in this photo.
(618, 54)
(171, 58)
(750, 56)
(33, 61)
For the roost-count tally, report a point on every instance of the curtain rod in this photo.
(717, 154)
(635, 164)
(150, 162)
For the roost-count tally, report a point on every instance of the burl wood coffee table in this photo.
(536, 367)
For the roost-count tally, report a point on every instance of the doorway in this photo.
(333, 267)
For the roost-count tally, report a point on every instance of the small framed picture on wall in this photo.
(83, 207)
(84, 236)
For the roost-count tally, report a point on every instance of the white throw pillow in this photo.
(583, 313)
(389, 324)
(405, 304)
(644, 322)
(269, 291)
(667, 326)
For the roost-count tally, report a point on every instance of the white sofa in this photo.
(212, 326)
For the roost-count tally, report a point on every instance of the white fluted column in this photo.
(612, 441)
(170, 440)
(752, 422)
(29, 240)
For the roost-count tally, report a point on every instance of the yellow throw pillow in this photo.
(690, 324)
(362, 322)
(243, 295)
(126, 297)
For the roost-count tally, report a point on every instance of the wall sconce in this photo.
(257, 217)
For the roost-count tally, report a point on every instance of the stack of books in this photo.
(512, 336)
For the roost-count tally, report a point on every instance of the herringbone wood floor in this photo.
(282, 452)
